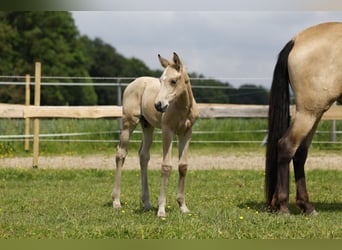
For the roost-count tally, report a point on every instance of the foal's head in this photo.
(173, 82)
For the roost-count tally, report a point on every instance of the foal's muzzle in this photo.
(159, 107)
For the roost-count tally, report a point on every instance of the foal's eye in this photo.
(173, 81)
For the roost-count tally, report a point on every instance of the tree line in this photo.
(53, 39)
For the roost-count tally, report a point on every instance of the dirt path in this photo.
(224, 161)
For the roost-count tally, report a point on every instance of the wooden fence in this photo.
(206, 111)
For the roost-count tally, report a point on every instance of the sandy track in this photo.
(199, 162)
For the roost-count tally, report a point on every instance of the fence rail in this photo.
(206, 110)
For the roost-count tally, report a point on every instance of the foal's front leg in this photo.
(165, 170)
(183, 146)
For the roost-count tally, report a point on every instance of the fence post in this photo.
(36, 120)
(27, 120)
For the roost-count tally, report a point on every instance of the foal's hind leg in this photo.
(129, 125)
(144, 156)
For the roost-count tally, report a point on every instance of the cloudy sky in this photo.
(237, 46)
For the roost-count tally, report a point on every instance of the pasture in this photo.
(225, 203)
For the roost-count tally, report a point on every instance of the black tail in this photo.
(278, 118)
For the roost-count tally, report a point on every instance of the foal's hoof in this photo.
(161, 214)
(184, 210)
(116, 204)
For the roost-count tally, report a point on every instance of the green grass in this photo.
(60, 204)
(225, 204)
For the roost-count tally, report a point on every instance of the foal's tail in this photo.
(278, 118)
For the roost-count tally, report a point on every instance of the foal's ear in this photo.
(164, 62)
(177, 61)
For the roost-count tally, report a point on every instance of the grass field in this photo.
(225, 204)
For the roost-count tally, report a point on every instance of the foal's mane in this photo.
(186, 77)
(192, 116)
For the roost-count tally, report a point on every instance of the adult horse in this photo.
(165, 103)
(312, 63)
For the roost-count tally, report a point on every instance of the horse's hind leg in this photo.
(302, 197)
(129, 125)
(288, 145)
(183, 146)
(144, 156)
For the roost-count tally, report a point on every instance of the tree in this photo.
(209, 91)
(52, 39)
(107, 62)
(249, 94)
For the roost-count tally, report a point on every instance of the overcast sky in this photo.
(234, 46)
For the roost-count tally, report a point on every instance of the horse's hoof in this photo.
(269, 209)
(312, 213)
(147, 207)
(284, 211)
(285, 214)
